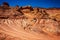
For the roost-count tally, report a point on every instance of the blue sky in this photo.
(34, 3)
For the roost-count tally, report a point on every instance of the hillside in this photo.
(28, 23)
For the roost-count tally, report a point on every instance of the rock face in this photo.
(27, 23)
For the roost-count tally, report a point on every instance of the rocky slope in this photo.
(27, 23)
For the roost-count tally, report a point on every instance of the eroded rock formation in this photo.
(27, 23)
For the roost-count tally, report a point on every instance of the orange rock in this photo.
(27, 23)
